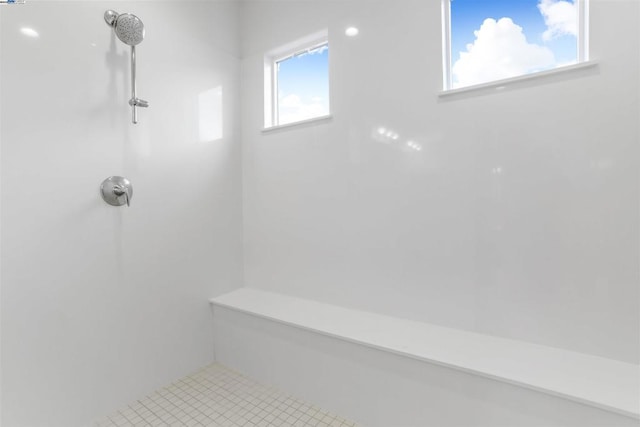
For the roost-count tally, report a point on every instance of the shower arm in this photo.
(135, 101)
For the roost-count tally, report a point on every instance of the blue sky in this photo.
(467, 16)
(303, 86)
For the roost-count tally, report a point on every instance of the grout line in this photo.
(217, 396)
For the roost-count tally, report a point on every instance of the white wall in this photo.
(102, 304)
(546, 251)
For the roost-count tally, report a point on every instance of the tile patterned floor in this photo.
(218, 396)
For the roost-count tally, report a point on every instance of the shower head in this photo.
(128, 27)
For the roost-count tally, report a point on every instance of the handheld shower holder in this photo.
(137, 102)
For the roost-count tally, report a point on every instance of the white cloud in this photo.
(320, 50)
(315, 51)
(560, 16)
(499, 51)
(293, 109)
(290, 101)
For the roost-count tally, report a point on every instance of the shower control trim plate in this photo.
(116, 191)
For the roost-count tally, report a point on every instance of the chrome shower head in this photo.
(128, 27)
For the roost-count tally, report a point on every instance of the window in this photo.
(491, 40)
(297, 81)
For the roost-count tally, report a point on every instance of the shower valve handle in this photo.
(119, 190)
(113, 188)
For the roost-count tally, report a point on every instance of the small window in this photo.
(297, 82)
(491, 40)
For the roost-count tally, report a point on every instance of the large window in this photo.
(491, 40)
(297, 84)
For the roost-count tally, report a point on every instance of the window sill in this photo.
(498, 85)
(297, 124)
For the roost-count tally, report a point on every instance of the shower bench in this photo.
(609, 385)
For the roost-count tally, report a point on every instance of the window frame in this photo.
(278, 55)
(582, 40)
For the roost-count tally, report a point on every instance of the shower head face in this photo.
(129, 29)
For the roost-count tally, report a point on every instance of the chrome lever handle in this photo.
(119, 190)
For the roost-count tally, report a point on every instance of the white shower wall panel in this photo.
(518, 217)
(102, 304)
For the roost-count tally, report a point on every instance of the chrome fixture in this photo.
(117, 191)
(130, 30)
(12, 2)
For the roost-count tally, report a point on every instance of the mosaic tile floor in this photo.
(218, 396)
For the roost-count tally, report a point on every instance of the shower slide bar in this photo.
(135, 101)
